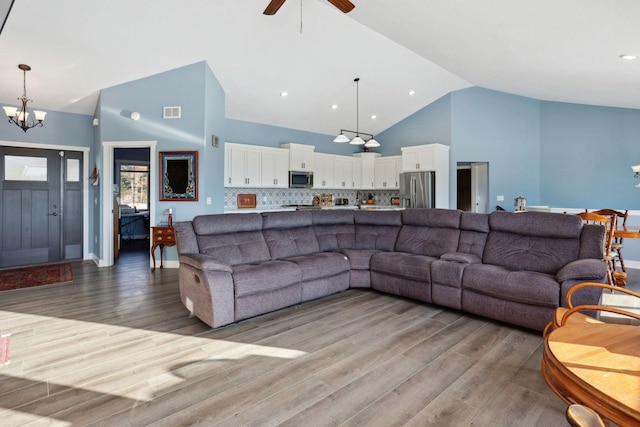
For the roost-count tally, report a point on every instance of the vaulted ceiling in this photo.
(546, 49)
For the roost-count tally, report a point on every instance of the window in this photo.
(134, 185)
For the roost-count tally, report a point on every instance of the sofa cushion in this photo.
(226, 223)
(405, 265)
(525, 287)
(235, 248)
(430, 232)
(324, 264)
(531, 253)
(289, 234)
(377, 229)
(230, 238)
(334, 229)
(533, 241)
(254, 278)
(540, 224)
(474, 228)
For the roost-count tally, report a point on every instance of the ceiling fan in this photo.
(345, 6)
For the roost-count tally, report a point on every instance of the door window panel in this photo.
(73, 170)
(25, 168)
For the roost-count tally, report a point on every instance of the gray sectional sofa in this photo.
(512, 267)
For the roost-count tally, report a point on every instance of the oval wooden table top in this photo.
(597, 365)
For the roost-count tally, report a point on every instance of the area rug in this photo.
(26, 277)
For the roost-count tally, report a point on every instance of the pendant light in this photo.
(357, 140)
(20, 117)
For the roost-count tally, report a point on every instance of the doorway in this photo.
(473, 186)
(109, 208)
(131, 189)
(42, 205)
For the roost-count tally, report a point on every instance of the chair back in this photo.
(609, 223)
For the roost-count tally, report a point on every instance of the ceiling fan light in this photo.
(372, 143)
(357, 141)
(341, 138)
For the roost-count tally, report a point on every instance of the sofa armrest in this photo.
(205, 262)
(461, 257)
(586, 270)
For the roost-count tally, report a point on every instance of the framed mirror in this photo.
(179, 176)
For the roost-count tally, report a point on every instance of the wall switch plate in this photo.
(501, 198)
(208, 200)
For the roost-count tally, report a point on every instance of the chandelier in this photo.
(21, 117)
(357, 140)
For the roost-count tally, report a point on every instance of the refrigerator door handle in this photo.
(413, 191)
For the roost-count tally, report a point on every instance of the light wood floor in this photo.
(117, 348)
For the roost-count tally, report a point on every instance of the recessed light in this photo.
(373, 117)
(334, 106)
(628, 57)
(412, 92)
(283, 94)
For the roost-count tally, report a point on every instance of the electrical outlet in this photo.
(501, 198)
(208, 200)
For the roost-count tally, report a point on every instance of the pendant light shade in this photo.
(341, 138)
(357, 141)
(372, 143)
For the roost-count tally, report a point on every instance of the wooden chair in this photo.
(609, 224)
(621, 224)
(572, 314)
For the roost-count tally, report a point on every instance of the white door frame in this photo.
(86, 254)
(108, 147)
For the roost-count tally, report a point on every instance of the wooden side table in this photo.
(161, 236)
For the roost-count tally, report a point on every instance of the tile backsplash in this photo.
(276, 197)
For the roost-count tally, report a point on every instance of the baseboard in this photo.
(166, 264)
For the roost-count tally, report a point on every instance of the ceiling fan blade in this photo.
(344, 5)
(273, 7)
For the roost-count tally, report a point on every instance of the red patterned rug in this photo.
(26, 277)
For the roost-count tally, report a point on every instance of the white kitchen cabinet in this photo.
(430, 157)
(244, 165)
(274, 165)
(427, 157)
(323, 171)
(301, 157)
(356, 173)
(367, 166)
(386, 172)
(255, 166)
(343, 172)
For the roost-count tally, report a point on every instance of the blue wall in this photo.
(242, 132)
(197, 91)
(504, 130)
(587, 154)
(430, 124)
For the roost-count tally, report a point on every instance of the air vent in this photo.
(172, 112)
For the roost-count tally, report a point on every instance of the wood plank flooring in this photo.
(116, 348)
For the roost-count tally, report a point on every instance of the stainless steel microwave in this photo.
(300, 179)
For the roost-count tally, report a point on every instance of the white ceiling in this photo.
(545, 49)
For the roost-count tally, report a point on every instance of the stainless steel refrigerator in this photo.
(418, 189)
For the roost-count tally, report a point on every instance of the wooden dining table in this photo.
(598, 366)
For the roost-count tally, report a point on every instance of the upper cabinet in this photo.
(256, 166)
(367, 166)
(244, 165)
(300, 157)
(429, 157)
(386, 172)
(274, 168)
(323, 171)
